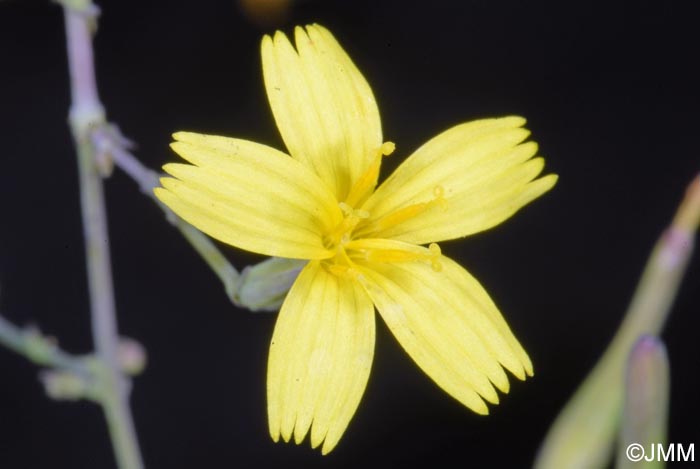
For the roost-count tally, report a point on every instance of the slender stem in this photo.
(85, 114)
(38, 349)
(94, 138)
(262, 291)
(214, 258)
(147, 179)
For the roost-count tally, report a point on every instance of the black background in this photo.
(609, 90)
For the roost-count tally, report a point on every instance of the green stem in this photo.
(147, 179)
(37, 348)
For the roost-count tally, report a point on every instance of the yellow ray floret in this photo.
(320, 358)
(250, 196)
(484, 173)
(324, 108)
(364, 243)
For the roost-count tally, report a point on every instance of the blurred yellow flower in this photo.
(363, 245)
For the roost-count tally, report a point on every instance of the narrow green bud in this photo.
(645, 409)
(583, 434)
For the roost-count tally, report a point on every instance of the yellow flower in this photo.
(363, 245)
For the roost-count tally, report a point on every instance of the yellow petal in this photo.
(323, 106)
(479, 172)
(320, 357)
(250, 196)
(447, 323)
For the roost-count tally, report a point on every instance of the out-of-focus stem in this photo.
(646, 399)
(262, 287)
(86, 113)
(583, 434)
(214, 258)
(38, 349)
(147, 179)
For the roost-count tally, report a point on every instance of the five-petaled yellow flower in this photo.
(363, 244)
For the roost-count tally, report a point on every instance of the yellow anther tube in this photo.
(341, 233)
(365, 185)
(366, 250)
(408, 212)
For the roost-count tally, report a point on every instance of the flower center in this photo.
(341, 234)
(361, 190)
(352, 243)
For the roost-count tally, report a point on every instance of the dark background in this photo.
(610, 93)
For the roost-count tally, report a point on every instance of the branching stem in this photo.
(86, 114)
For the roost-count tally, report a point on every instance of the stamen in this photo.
(348, 211)
(341, 233)
(435, 252)
(341, 265)
(408, 212)
(439, 193)
(345, 208)
(387, 148)
(414, 253)
(365, 185)
(344, 271)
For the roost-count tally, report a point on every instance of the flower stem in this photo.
(147, 179)
(37, 348)
(86, 113)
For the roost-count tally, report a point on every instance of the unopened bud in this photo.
(132, 356)
(265, 285)
(647, 389)
(64, 385)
